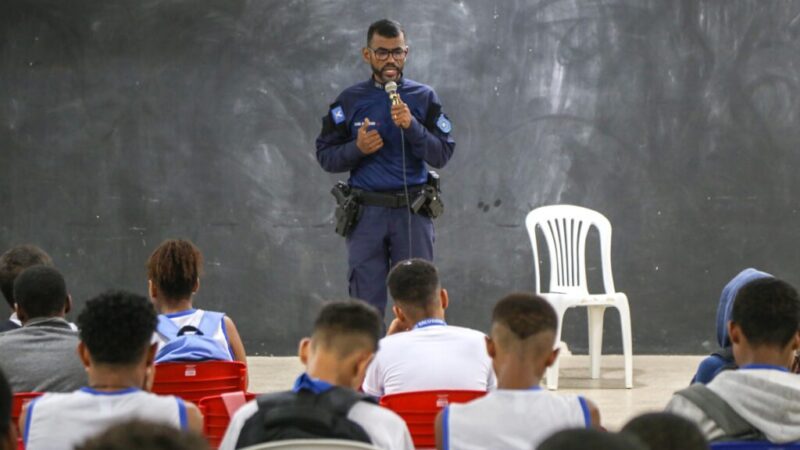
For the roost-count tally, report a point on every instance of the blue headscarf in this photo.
(725, 308)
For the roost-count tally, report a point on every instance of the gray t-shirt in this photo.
(42, 357)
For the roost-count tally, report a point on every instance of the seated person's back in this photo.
(174, 271)
(518, 414)
(422, 352)
(8, 429)
(12, 263)
(42, 355)
(115, 331)
(761, 399)
(343, 342)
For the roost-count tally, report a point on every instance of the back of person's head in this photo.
(40, 291)
(175, 268)
(14, 261)
(524, 323)
(664, 431)
(116, 328)
(768, 312)
(7, 426)
(415, 283)
(580, 439)
(139, 434)
(345, 327)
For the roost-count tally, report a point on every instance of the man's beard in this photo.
(378, 73)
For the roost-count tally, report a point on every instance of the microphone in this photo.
(391, 89)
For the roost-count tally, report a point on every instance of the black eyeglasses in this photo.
(382, 54)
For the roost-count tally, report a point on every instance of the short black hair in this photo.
(768, 311)
(14, 261)
(582, 438)
(386, 28)
(117, 327)
(414, 282)
(5, 407)
(40, 291)
(525, 314)
(140, 434)
(665, 431)
(344, 319)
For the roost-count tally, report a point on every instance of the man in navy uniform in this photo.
(385, 147)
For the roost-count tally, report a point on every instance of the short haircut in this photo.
(5, 407)
(414, 282)
(347, 326)
(386, 28)
(525, 315)
(768, 312)
(140, 434)
(14, 261)
(582, 438)
(40, 291)
(665, 431)
(117, 327)
(174, 267)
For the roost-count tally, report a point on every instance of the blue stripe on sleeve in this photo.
(585, 407)
(28, 418)
(182, 414)
(446, 428)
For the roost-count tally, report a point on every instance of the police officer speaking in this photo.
(383, 131)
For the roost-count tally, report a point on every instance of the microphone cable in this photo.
(405, 190)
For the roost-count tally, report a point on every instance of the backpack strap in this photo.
(209, 323)
(167, 328)
(732, 424)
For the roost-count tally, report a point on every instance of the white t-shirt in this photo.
(385, 428)
(62, 421)
(435, 357)
(511, 419)
(192, 317)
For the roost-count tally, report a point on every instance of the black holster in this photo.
(428, 201)
(348, 208)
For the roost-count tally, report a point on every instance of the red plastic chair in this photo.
(419, 409)
(17, 402)
(217, 412)
(192, 381)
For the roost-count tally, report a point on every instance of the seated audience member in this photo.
(521, 347)
(116, 329)
(12, 263)
(142, 435)
(722, 359)
(591, 439)
(42, 355)
(663, 431)
(174, 271)
(8, 429)
(762, 398)
(323, 400)
(422, 352)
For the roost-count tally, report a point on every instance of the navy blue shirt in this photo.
(427, 140)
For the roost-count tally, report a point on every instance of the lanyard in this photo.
(430, 323)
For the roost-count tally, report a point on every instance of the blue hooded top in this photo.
(712, 365)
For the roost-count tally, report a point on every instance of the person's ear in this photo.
(68, 304)
(196, 286)
(551, 358)
(303, 350)
(21, 315)
(796, 341)
(362, 363)
(83, 354)
(444, 298)
(152, 289)
(398, 312)
(734, 332)
(151, 355)
(490, 348)
(365, 55)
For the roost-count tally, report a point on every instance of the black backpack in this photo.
(304, 415)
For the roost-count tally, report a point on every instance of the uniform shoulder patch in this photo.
(337, 114)
(443, 124)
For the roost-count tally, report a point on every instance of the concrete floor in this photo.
(655, 378)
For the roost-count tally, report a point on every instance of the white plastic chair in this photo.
(313, 444)
(565, 228)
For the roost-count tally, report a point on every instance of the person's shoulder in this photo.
(354, 91)
(467, 333)
(416, 86)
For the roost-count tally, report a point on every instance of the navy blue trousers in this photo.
(377, 243)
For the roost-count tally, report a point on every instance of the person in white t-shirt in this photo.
(422, 352)
(519, 414)
(115, 333)
(336, 356)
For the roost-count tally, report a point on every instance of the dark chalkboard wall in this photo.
(123, 123)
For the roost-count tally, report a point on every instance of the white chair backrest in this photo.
(565, 228)
(312, 444)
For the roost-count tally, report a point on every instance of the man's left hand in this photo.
(401, 115)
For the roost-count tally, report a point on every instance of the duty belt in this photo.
(394, 199)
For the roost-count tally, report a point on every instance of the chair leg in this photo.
(627, 342)
(595, 318)
(552, 372)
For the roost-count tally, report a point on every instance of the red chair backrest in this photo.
(217, 412)
(419, 409)
(192, 381)
(17, 402)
